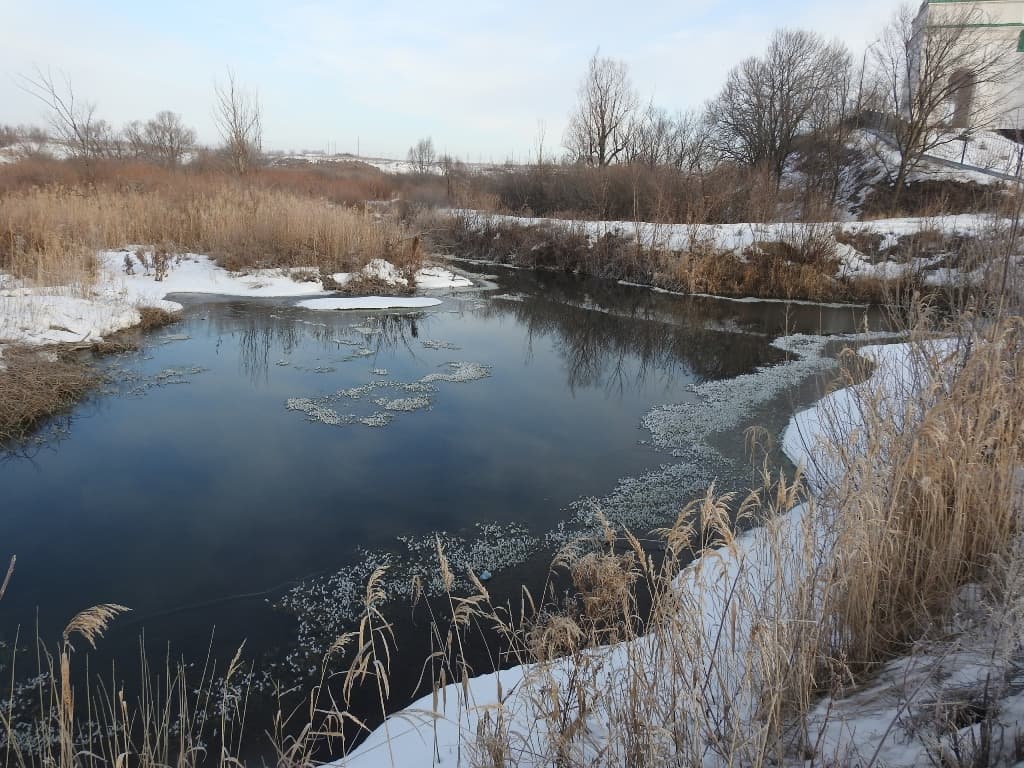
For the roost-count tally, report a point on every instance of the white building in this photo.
(994, 24)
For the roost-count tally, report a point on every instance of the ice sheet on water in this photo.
(460, 373)
(421, 396)
(327, 605)
(407, 404)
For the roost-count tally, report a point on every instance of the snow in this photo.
(371, 302)
(987, 151)
(437, 278)
(427, 279)
(87, 313)
(901, 375)
(736, 239)
(942, 163)
(378, 269)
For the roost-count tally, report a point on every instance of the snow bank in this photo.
(736, 239)
(371, 302)
(378, 269)
(437, 278)
(427, 279)
(34, 315)
(87, 313)
(901, 376)
(195, 273)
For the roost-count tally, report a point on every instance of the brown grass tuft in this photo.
(35, 385)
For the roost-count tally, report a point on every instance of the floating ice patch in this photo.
(434, 344)
(370, 302)
(511, 297)
(376, 420)
(407, 404)
(460, 373)
(315, 411)
(435, 278)
(364, 352)
(168, 338)
(175, 375)
(321, 409)
(325, 606)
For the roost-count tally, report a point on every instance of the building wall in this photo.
(1000, 23)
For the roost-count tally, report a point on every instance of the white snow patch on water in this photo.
(370, 302)
(437, 278)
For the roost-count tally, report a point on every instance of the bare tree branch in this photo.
(239, 119)
(601, 127)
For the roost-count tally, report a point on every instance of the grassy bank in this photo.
(804, 268)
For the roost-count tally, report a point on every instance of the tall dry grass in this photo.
(35, 386)
(50, 235)
(930, 482)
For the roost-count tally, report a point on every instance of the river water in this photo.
(244, 471)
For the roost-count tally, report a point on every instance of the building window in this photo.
(1020, 43)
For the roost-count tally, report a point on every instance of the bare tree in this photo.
(133, 136)
(239, 119)
(73, 123)
(600, 129)
(938, 79)
(690, 148)
(767, 102)
(169, 138)
(652, 140)
(422, 155)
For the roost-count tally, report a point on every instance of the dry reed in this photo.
(50, 236)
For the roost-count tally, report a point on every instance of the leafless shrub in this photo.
(422, 155)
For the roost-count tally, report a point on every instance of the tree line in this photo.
(164, 139)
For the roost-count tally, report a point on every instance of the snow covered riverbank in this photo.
(729, 599)
(36, 315)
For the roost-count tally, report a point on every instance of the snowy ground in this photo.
(868, 726)
(86, 313)
(735, 239)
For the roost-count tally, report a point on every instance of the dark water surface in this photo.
(191, 493)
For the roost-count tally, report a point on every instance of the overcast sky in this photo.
(479, 77)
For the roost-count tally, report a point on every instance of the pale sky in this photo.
(479, 77)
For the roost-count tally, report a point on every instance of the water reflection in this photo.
(268, 335)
